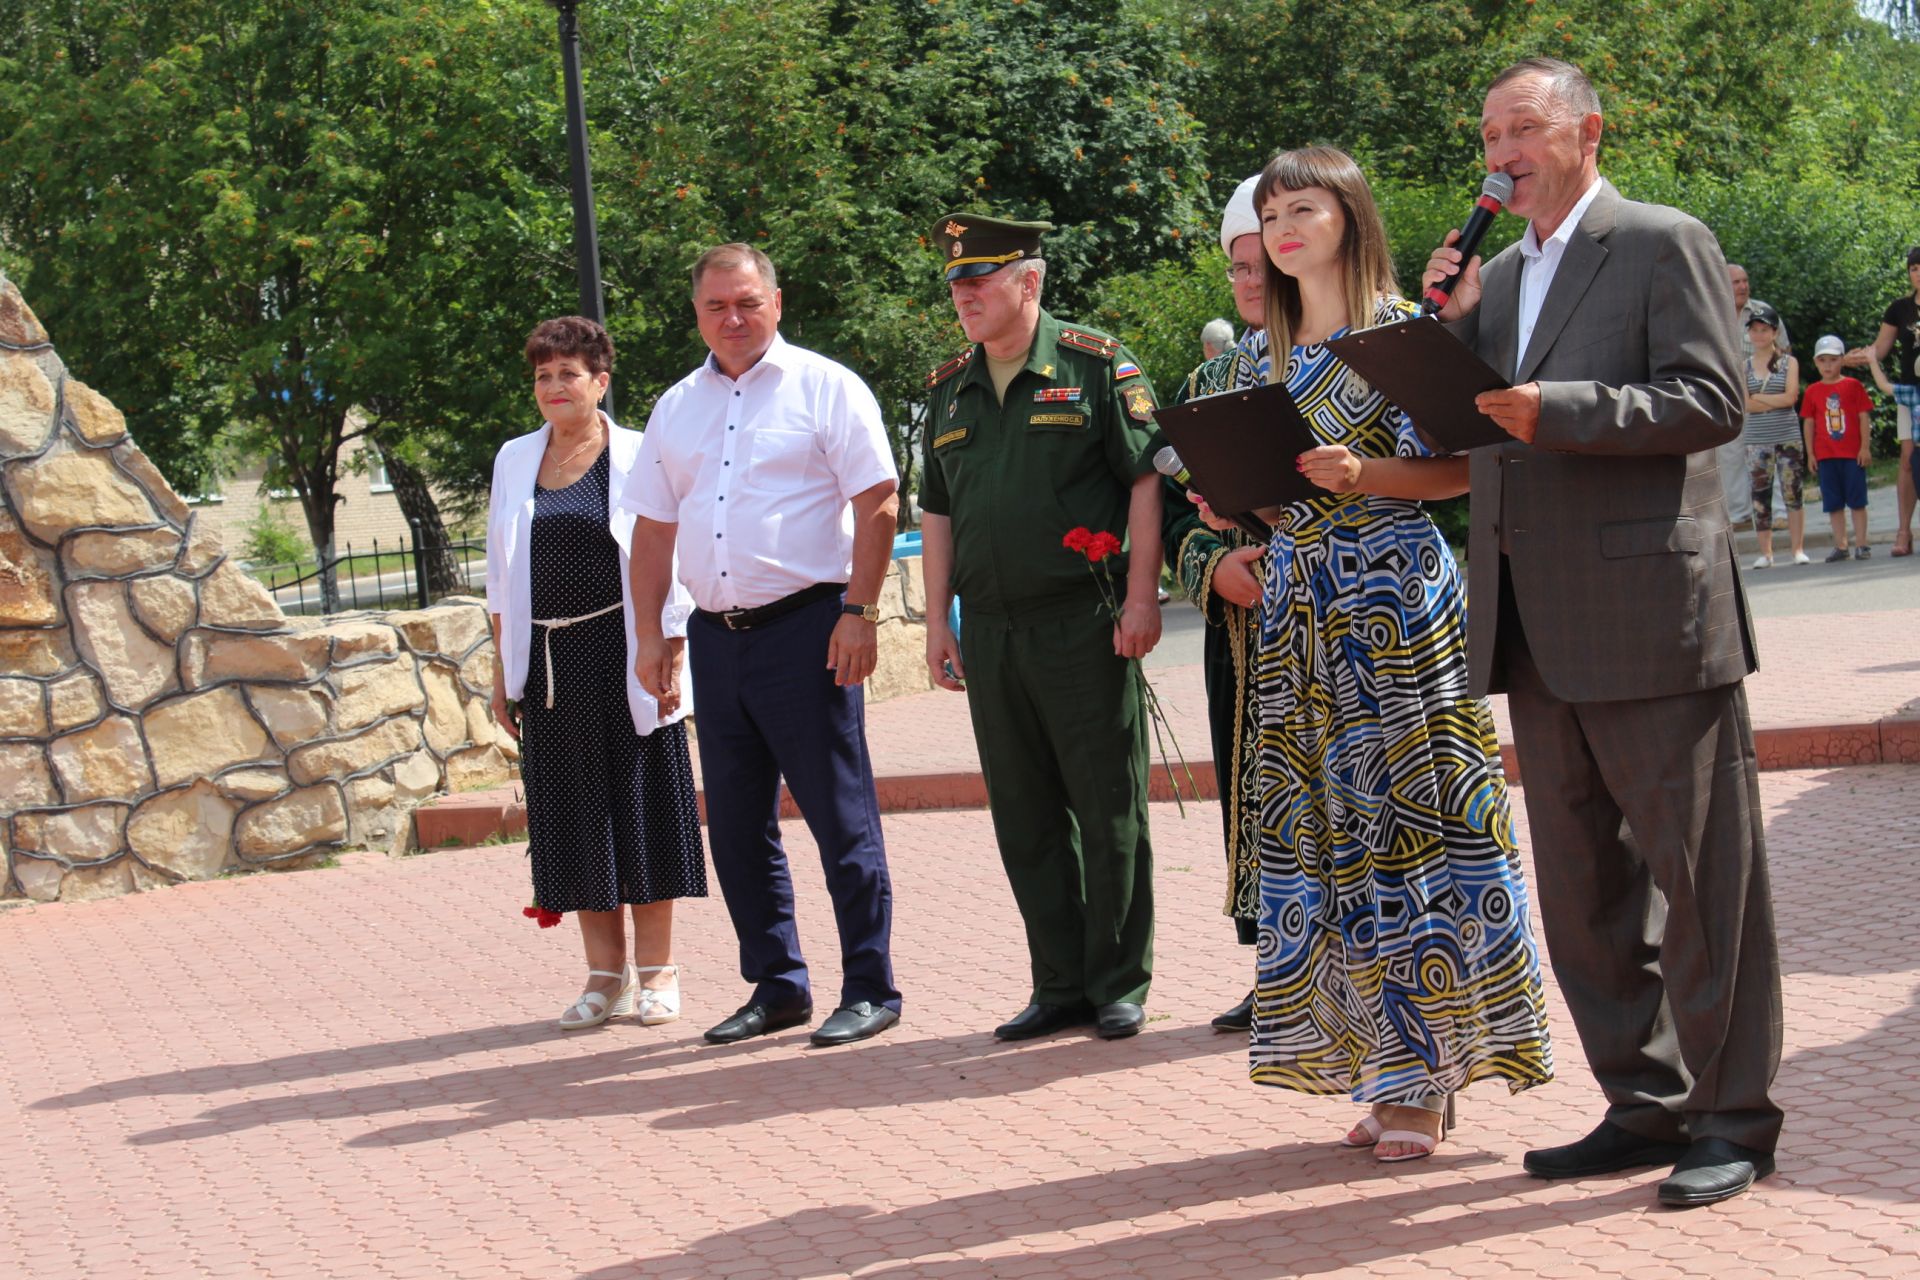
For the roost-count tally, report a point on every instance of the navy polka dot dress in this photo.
(611, 816)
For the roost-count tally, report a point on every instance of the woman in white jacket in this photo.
(612, 822)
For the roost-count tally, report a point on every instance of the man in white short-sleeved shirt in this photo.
(769, 466)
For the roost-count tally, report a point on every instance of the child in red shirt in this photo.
(1834, 413)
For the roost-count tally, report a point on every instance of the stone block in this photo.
(19, 327)
(361, 641)
(136, 667)
(476, 767)
(136, 464)
(76, 700)
(119, 553)
(416, 776)
(86, 834)
(29, 581)
(26, 405)
(370, 692)
(451, 629)
(23, 709)
(446, 726)
(293, 716)
(212, 657)
(145, 877)
(187, 833)
(89, 884)
(106, 762)
(203, 733)
(309, 816)
(29, 780)
(230, 598)
(66, 488)
(481, 726)
(203, 548)
(901, 662)
(39, 877)
(93, 415)
(251, 785)
(352, 755)
(165, 603)
(476, 673)
(42, 652)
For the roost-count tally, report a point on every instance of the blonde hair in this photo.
(1363, 246)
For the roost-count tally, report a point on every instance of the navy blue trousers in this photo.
(766, 706)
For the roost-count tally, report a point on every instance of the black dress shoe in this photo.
(751, 1020)
(1714, 1170)
(1238, 1018)
(1608, 1149)
(1043, 1019)
(855, 1021)
(1118, 1021)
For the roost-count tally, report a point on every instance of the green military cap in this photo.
(975, 245)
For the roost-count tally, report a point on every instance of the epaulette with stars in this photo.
(948, 369)
(1098, 344)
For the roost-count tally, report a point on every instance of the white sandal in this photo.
(594, 1008)
(656, 1005)
(1423, 1144)
(1369, 1125)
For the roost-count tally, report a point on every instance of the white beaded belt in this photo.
(554, 624)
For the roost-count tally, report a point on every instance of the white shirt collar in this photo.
(1530, 244)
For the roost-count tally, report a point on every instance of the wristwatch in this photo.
(871, 612)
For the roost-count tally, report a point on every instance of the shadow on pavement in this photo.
(1394, 1213)
(740, 1084)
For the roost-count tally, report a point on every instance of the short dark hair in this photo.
(1570, 84)
(574, 336)
(730, 257)
(1913, 255)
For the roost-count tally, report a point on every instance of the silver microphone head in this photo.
(1499, 186)
(1167, 462)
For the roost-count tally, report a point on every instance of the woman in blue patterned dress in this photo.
(1396, 960)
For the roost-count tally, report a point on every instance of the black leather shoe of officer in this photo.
(1238, 1018)
(1608, 1149)
(851, 1022)
(751, 1020)
(1714, 1170)
(1118, 1021)
(1043, 1019)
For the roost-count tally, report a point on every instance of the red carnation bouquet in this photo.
(1098, 549)
(545, 918)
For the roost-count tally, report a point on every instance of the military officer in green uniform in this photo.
(1038, 428)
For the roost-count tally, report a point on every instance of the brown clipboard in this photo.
(1431, 375)
(1240, 446)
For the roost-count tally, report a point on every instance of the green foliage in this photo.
(271, 540)
(1158, 313)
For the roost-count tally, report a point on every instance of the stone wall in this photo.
(160, 718)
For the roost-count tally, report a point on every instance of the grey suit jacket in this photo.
(1613, 519)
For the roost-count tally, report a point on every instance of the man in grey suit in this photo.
(1606, 604)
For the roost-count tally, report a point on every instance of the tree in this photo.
(261, 214)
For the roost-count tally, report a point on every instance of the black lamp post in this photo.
(586, 233)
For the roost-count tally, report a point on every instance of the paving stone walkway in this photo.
(353, 1072)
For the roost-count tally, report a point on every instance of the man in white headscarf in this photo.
(1220, 573)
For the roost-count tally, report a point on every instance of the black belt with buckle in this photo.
(761, 615)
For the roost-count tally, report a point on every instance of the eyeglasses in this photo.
(1241, 273)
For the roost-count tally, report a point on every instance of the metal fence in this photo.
(390, 576)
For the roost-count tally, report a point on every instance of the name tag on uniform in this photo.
(1056, 395)
(951, 437)
(1057, 420)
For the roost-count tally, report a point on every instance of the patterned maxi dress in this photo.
(1396, 960)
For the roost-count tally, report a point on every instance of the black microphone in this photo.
(1494, 192)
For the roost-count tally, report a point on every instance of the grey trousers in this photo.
(1651, 872)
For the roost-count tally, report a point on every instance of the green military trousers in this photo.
(1063, 744)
